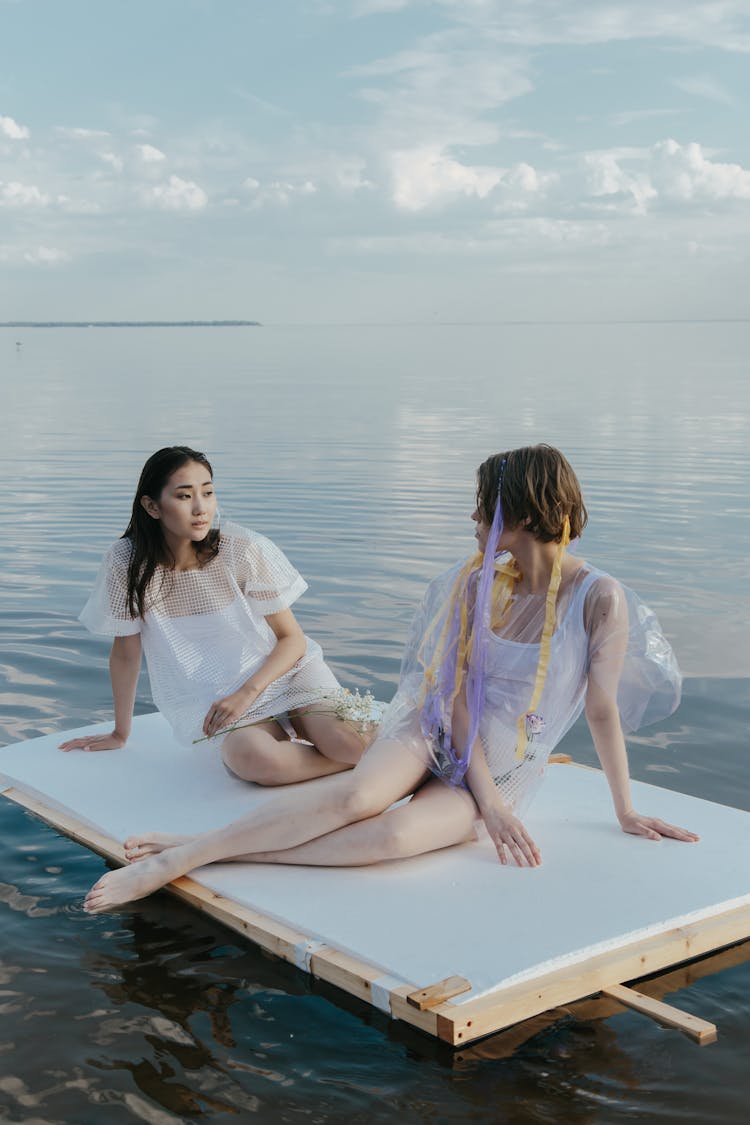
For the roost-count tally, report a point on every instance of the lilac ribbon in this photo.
(435, 717)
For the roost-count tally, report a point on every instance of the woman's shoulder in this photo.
(236, 538)
(119, 553)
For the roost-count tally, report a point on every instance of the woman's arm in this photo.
(289, 648)
(124, 666)
(607, 626)
(505, 829)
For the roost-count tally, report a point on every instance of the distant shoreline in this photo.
(130, 324)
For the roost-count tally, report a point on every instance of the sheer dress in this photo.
(204, 630)
(604, 636)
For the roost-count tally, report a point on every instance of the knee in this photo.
(396, 839)
(357, 801)
(252, 761)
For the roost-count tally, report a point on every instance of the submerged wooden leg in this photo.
(699, 1030)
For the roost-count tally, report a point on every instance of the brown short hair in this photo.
(539, 488)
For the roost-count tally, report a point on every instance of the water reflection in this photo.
(355, 449)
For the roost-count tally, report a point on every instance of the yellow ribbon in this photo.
(550, 616)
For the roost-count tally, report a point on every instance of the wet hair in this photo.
(539, 488)
(150, 548)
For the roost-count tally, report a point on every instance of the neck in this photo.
(183, 551)
(535, 560)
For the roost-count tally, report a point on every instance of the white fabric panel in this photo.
(454, 912)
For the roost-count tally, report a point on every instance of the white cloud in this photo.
(178, 195)
(46, 256)
(11, 128)
(277, 191)
(704, 87)
(15, 194)
(716, 23)
(667, 171)
(113, 160)
(426, 176)
(446, 89)
(79, 134)
(149, 154)
(606, 177)
(684, 173)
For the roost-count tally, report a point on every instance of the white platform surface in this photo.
(458, 911)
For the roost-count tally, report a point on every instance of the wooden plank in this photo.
(436, 994)
(457, 1024)
(700, 1030)
(462, 1023)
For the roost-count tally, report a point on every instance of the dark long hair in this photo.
(150, 549)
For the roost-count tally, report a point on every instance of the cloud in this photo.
(46, 256)
(428, 176)
(668, 172)
(446, 89)
(10, 128)
(277, 191)
(113, 160)
(79, 134)
(178, 195)
(684, 173)
(704, 87)
(721, 23)
(149, 154)
(15, 194)
(606, 178)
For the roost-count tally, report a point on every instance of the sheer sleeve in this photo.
(106, 612)
(267, 578)
(629, 658)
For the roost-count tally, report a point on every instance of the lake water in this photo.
(354, 448)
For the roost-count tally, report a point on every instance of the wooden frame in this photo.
(431, 1007)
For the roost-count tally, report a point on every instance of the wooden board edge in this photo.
(456, 1024)
(492, 1013)
(351, 974)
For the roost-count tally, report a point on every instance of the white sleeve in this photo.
(106, 612)
(267, 578)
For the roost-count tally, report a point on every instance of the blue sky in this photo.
(374, 160)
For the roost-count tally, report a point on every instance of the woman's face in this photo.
(187, 504)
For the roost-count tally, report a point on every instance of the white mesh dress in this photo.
(604, 633)
(204, 631)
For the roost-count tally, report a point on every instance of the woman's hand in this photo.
(510, 837)
(113, 741)
(228, 710)
(653, 828)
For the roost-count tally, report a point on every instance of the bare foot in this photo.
(152, 843)
(129, 883)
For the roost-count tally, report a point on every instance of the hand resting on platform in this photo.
(113, 741)
(654, 829)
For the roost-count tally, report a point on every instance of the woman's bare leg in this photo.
(436, 817)
(263, 753)
(385, 774)
(334, 738)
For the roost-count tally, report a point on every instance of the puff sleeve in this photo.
(106, 612)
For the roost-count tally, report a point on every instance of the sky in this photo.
(374, 161)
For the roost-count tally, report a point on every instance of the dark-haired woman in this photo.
(211, 610)
(506, 651)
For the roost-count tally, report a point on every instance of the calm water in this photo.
(354, 449)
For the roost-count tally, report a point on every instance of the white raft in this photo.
(452, 942)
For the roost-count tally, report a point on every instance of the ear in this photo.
(150, 506)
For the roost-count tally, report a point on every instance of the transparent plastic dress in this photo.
(204, 631)
(605, 640)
